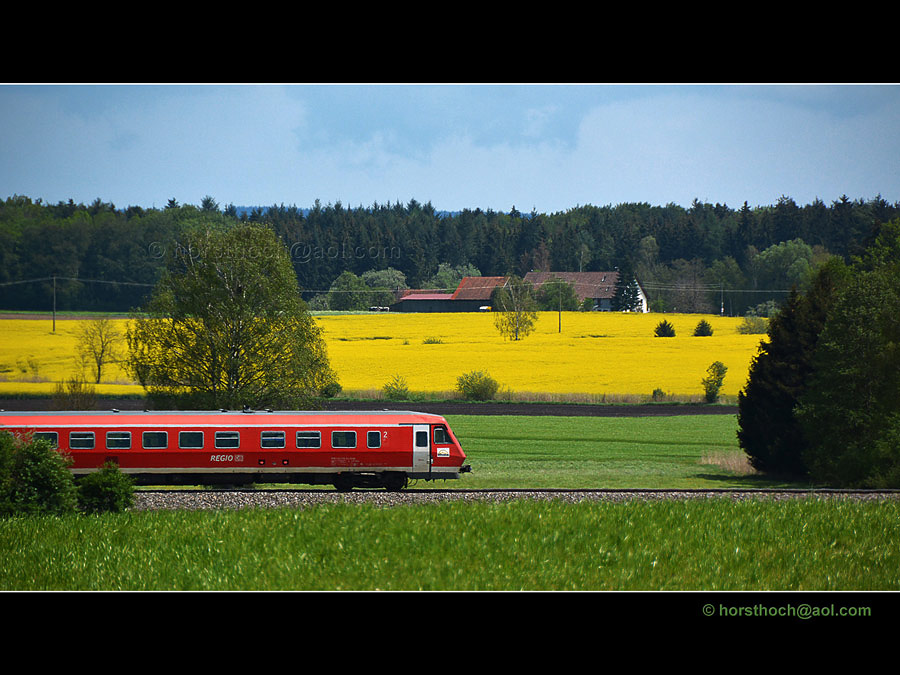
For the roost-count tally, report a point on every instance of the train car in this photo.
(382, 449)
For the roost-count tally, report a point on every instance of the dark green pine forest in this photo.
(705, 258)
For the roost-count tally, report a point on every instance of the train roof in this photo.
(249, 418)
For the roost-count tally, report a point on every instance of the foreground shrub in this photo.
(34, 478)
(107, 490)
(477, 386)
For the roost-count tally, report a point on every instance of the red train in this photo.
(382, 449)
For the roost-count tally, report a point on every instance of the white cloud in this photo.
(254, 145)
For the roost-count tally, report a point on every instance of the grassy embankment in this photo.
(519, 545)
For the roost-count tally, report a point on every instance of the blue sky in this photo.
(542, 147)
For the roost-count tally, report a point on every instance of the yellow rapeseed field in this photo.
(596, 353)
(34, 357)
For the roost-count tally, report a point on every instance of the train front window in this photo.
(441, 435)
(81, 440)
(118, 440)
(228, 439)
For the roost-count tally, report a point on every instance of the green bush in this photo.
(34, 478)
(331, 389)
(396, 389)
(477, 386)
(703, 329)
(658, 395)
(106, 490)
(753, 325)
(74, 394)
(664, 329)
(712, 383)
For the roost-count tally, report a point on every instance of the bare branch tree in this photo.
(98, 345)
(515, 309)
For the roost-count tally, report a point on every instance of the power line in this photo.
(95, 281)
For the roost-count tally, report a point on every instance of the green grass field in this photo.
(696, 451)
(705, 544)
(520, 545)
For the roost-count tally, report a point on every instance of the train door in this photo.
(421, 449)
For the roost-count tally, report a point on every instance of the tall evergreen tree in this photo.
(851, 411)
(628, 295)
(769, 431)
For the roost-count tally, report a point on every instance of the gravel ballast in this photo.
(263, 499)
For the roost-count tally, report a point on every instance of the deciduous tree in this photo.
(226, 328)
(98, 345)
(515, 310)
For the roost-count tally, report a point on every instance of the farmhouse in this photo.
(472, 295)
(598, 286)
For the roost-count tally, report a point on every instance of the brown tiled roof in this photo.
(426, 296)
(477, 288)
(420, 293)
(587, 284)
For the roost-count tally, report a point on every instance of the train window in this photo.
(309, 439)
(373, 439)
(271, 439)
(228, 439)
(190, 440)
(51, 436)
(118, 440)
(441, 435)
(156, 440)
(421, 439)
(343, 439)
(83, 440)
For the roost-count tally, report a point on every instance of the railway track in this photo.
(276, 498)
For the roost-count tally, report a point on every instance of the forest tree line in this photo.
(705, 258)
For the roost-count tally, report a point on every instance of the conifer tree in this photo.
(769, 431)
(851, 411)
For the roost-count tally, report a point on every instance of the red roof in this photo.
(477, 288)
